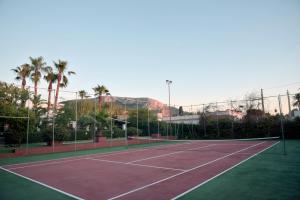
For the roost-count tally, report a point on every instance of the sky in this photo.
(211, 50)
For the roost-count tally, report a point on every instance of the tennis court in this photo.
(166, 171)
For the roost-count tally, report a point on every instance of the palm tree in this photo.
(62, 80)
(82, 94)
(297, 100)
(99, 91)
(51, 78)
(38, 66)
(22, 72)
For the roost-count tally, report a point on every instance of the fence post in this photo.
(281, 125)
(76, 121)
(262, 100)
(27, 130)
(232, 117)
(137, 118)
(218, 129)
(148, 120)
(111, 121)
(289, 104)
(204, 120)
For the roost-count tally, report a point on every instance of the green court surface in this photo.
(269, 175)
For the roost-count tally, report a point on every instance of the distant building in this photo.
(195, 119)
(185, 119)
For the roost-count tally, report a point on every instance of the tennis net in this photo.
(223, 146)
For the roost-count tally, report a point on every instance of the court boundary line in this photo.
(42, 184)
(216, 176)
(189, 170)
(222, 140)
(182, 142)
(94, 154)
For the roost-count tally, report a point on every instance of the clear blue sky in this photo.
(212, 50)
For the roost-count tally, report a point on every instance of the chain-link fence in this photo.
(42, 120)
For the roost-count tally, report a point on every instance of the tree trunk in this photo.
(35, 88)
(49, 95)
(57, 90)
(100, 103)
(23, 83)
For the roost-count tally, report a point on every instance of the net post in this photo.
(281, 124)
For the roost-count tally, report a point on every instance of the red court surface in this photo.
(161, 172)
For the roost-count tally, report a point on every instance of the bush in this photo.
(131, 131)
(60, 134)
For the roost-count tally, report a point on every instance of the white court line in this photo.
(170, 177)
(75, 158)
(201, 184)
(43, 184)
(132, 164)
(168, 154)
(43, 164)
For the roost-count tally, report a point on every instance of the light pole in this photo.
(169, 82)
(110, 115)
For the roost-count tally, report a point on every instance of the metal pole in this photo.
(126, 123)
(281, 124)
(94, 136)
(76, 121)
(137, 118)
(170, 112)
(192, 121)
(262, 100)
(148, 121)
(53, 125)
(289, 104)
(27, 131)
(204, 122)
(158, 128)
(111, 124)
(232, 117)
(218, 130)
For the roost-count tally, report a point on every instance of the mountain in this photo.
(131, 104)
(143, 102)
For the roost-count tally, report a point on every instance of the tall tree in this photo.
(297, 100)
(99, 91)
(82, 94)
(51, 78)
(62, 80)
(22, 72)
(38, 66)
